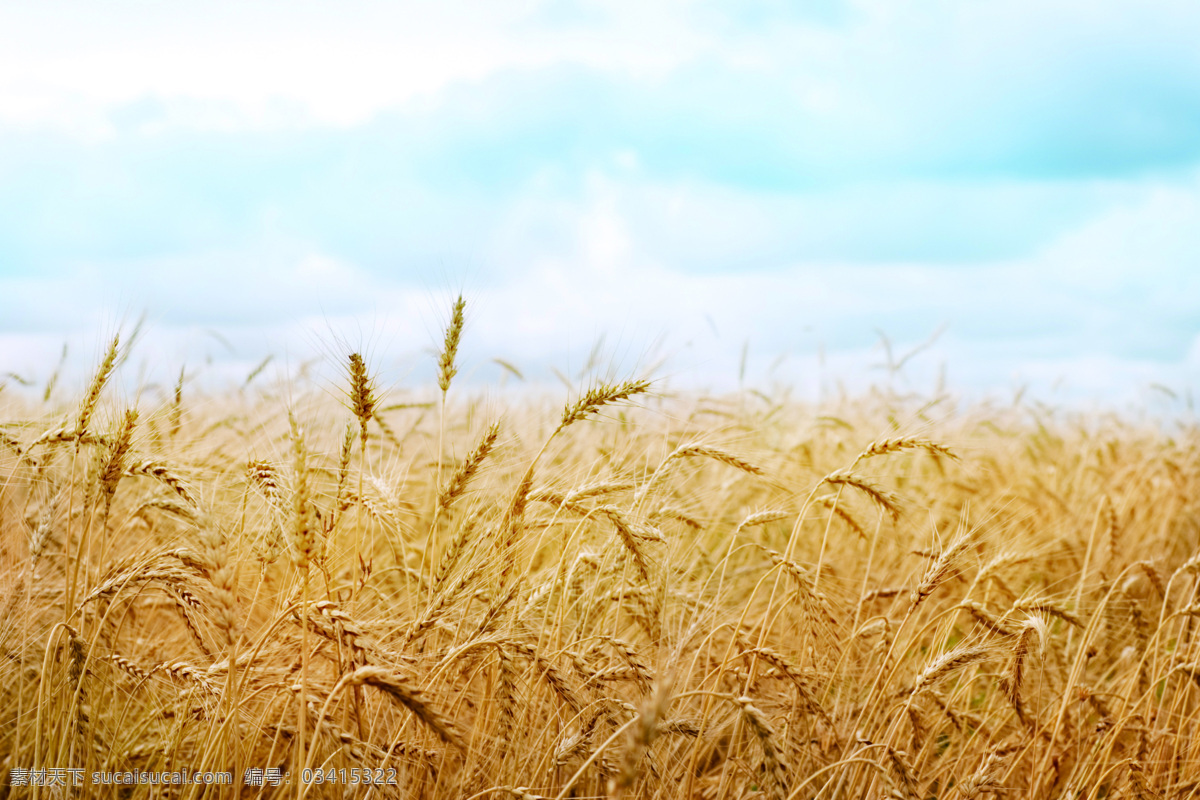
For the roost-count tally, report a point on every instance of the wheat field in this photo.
(615, 591)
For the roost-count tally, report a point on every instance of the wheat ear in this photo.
(92, 397)
(470, 465)
(887, 501)
(640, 737)
(773, 760)
(410, 697)
(597, 397)
(896, 444)
(447, 368)
(114, 465)
(362, 393)
(945, 664)
(1030, 638)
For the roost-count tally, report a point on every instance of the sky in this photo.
(750, 192)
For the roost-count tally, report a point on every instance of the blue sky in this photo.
(681, 177)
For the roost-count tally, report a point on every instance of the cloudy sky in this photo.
(681, 177)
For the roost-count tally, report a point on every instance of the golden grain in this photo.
(528, 608)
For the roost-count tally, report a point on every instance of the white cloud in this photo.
(791, 181)
(66, 62)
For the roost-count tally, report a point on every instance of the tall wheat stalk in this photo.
(303, 545)
(447, 369)
(362, 403)
(82, 422)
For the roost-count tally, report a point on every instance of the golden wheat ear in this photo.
(362, 394)
(88, 405)
(447, 359)
(597, 397)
